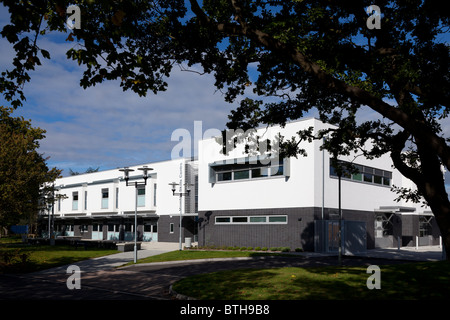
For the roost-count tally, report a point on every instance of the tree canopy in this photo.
(25, 179)
(307, 54)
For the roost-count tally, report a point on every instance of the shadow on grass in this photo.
(430, 280)
(20, 258)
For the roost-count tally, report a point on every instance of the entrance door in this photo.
(150, 232)
(333, 236)
(384, 231)
(129, 232)
(113, 231)
(97, 231)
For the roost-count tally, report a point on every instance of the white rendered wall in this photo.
(304, 187)
(164, 173)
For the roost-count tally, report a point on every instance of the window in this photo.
(240, 219)
(117, 198)
(223, 219)
(154, 194)
(141, 197)
(425, 226)
(276, 171)
(224, 176)
(171, 228)
(272, 219)
(245, 169)
(361, 173)
(260, 172)
(278, 219)
(258, 219)
(105, 198)
(75, 200)
(85, 200)
(239, 175)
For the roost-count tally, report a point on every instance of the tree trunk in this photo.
(429, 180)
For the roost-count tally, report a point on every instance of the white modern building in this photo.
(264, 201)
(252, 199)
(100, 205)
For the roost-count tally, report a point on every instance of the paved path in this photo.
(101, 280)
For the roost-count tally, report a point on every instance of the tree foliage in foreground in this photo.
(23, 170)
(308, 54)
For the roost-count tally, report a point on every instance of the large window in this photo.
(141, 197)
(245, 169)
(262, 219)
(425, 228)
(105, 198)
(362, 173)
(75, 200)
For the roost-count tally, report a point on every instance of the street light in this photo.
(181, 194)
(126, 175)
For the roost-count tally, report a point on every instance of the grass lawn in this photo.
(427, 280)
(17, 257)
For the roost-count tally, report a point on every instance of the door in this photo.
(150, 232)
(113, 231)
(333, 236)
(97, 231)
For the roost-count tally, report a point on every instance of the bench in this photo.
(128, 246)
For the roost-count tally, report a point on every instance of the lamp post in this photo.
(181, 194)
(126, 172)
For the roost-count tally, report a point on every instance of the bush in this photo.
(258, 249)
(298, 250)
(285, 249)
(264, 249)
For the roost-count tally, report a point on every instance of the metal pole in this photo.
(180, 217)
(323, 178)
(340, 219)
(135, 222)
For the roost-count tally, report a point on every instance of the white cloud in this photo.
(104, 126)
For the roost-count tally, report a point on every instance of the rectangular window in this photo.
(258, 219)
(277, 219)
(154, 194)
(377, 179)
(280, 219)
(85, 200)
(239, 220)
(260, 172)
(224, 176)
(362, 173)
(75, 200)
(368, 177)
(141, 197)
(239, 175)
(276, 171)
(223, 219)
(171, 228)
(105, 198)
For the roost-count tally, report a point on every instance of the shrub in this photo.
(258, 249)
(264, 249)
(298, 250)
(285, 249)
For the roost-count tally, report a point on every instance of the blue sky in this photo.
(105, 127)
